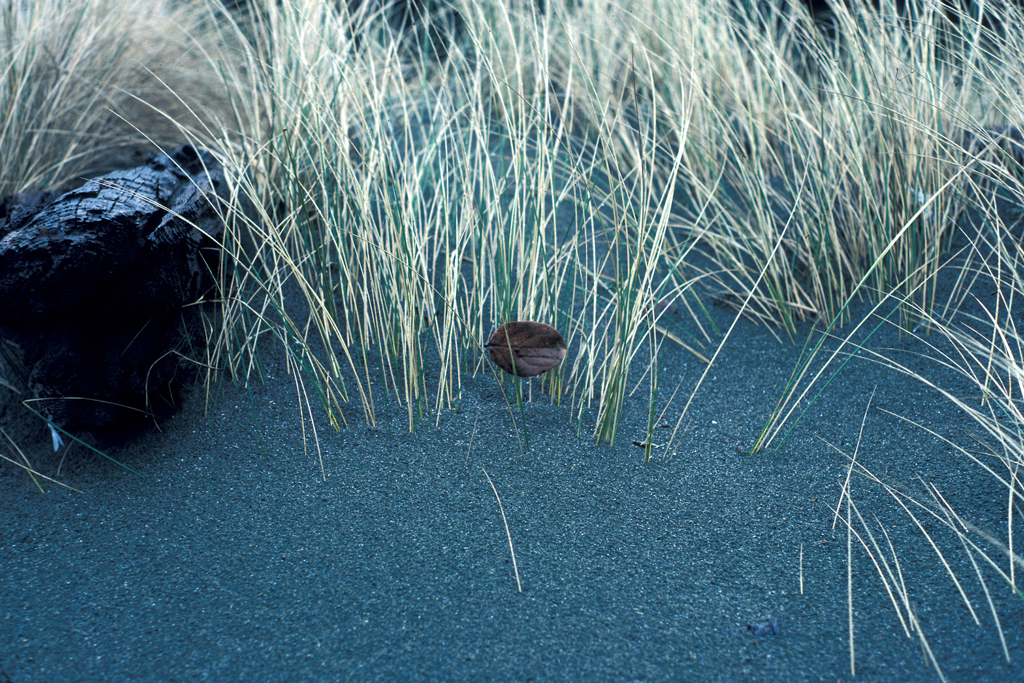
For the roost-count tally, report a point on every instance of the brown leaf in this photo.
(525, 348)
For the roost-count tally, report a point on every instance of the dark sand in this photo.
(231, 557)
(223, 563)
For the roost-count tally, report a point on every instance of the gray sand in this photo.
(224, 561)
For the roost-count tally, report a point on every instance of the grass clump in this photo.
(77, 75)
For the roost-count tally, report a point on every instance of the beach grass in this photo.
(400, 192)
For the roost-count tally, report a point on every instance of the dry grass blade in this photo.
(526, 349)
(515, 567)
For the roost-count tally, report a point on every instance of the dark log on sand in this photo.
(97, 287)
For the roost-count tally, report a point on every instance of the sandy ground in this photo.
(230, 556)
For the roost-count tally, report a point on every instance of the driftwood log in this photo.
(97, 287)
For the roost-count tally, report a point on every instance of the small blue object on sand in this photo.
(57, 441)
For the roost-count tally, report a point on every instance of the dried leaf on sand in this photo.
(526, 348)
